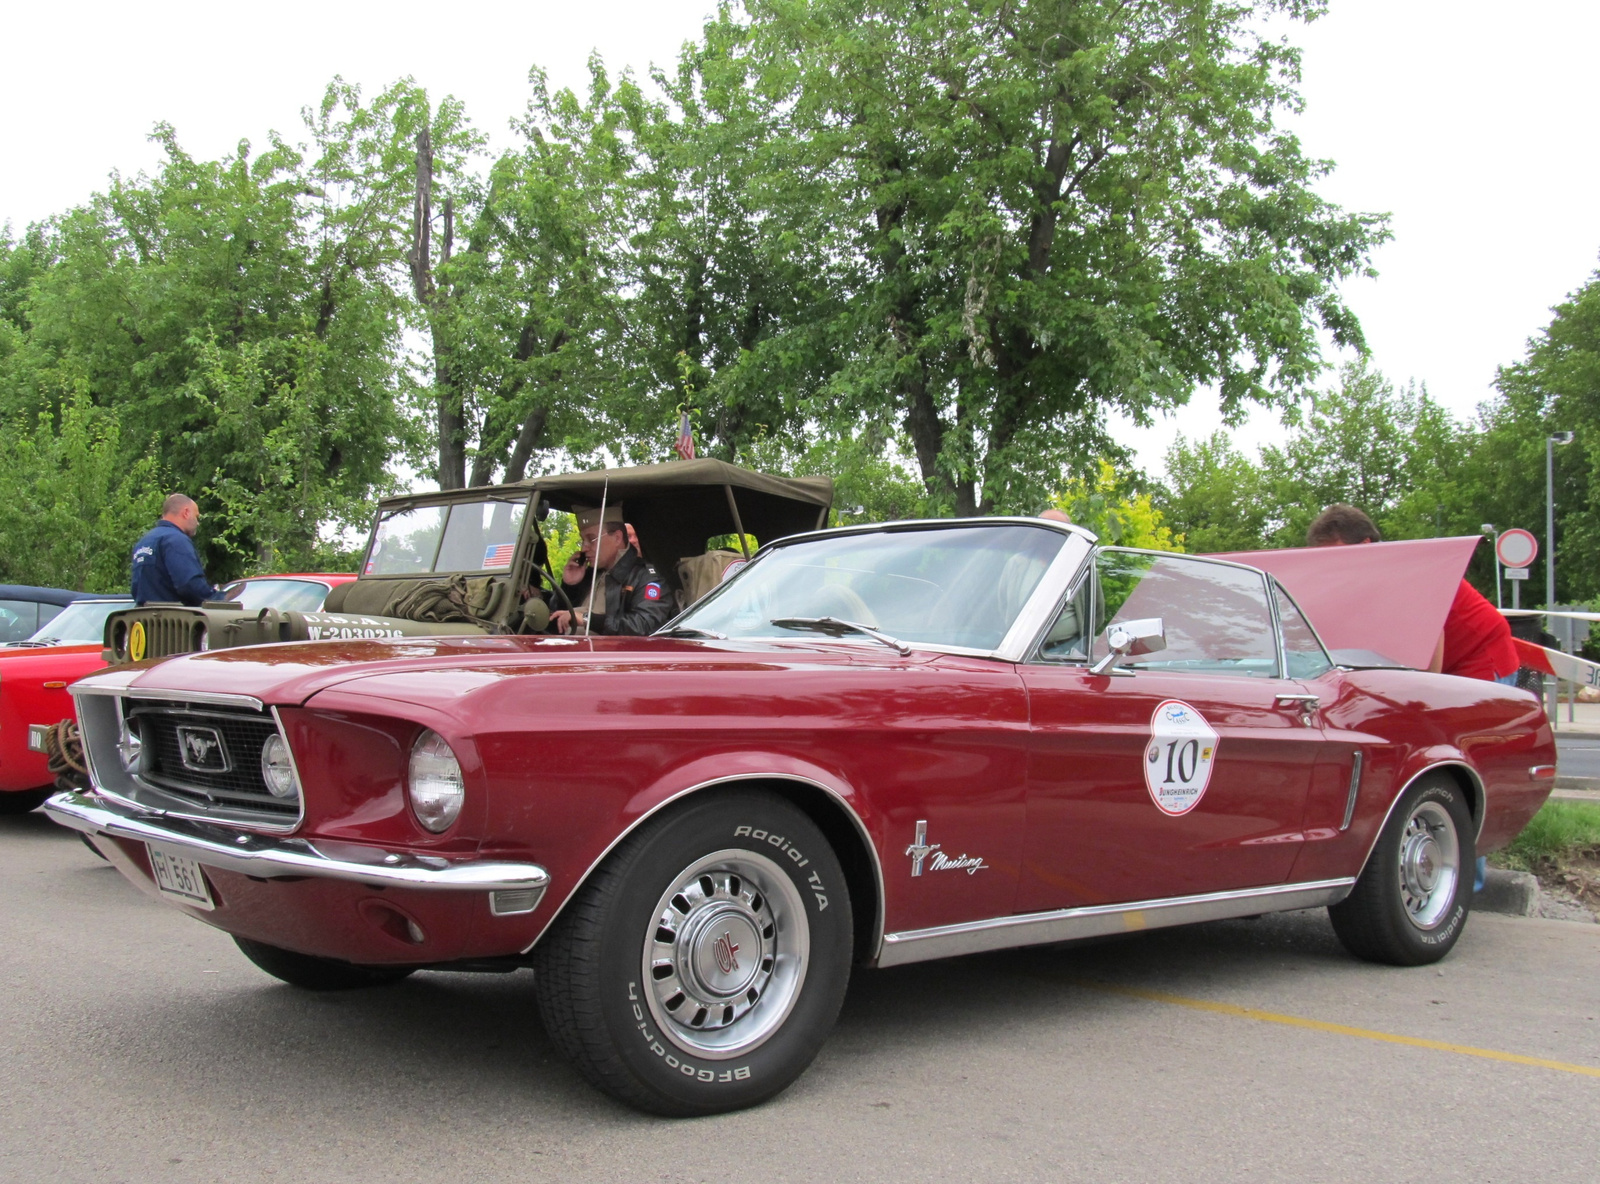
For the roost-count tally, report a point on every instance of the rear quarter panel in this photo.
(1404, 722)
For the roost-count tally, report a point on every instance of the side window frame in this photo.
(1089, 576)
(1097, 603)
(1275, 589)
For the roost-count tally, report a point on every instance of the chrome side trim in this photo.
(270, 859)
(1355, 786)
(1031, 929)
(1483, 798)
(861, 832)
(213, 698)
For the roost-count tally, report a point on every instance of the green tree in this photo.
(1215, 498)
(1045, 209)
(1556, 387)
(234, 319)
(1113, 506)
(70, 503)
(1395, 454)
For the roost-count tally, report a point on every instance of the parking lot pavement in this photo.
(140, 1046)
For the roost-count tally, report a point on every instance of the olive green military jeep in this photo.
(476, 561)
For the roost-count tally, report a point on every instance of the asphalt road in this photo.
(140, 1046)
(1578, 755)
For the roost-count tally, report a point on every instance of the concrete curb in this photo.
(1516, 894)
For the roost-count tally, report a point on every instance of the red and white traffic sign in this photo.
(1516, 548)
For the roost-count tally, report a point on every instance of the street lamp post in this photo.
(1550, 443)
(1550, 515)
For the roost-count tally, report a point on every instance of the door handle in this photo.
(1304, 702)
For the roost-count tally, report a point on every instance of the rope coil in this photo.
(63, 750)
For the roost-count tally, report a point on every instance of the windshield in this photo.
(303, 596)
(81, 623)
(959, 586)
(469, 536)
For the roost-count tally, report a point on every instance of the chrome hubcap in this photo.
(726, 953)
(1430, 864)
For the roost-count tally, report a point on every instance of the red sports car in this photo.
(34, 674)
(873, 746)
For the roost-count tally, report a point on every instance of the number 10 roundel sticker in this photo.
(1177, 765)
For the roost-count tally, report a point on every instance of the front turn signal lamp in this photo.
(434, 780)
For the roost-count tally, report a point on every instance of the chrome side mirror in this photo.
(1129, 639)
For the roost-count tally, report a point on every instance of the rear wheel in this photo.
(23, 800)
(1410, 904)
(317, 974)
(702, 966)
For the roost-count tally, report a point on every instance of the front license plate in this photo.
(179, 878)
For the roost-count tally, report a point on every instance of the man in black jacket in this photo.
(633, 599)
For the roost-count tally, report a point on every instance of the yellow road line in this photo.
(1294, 1021)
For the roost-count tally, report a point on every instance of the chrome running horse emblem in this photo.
(920, 849)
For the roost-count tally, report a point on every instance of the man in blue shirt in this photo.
(165, 564)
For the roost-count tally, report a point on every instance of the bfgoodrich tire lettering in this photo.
(1410, 904)
(700, 969)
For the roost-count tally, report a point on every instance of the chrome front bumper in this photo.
(268, 857)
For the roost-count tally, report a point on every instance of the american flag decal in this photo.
(499, 556)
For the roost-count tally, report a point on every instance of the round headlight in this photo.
(437, 790)
(276, 768)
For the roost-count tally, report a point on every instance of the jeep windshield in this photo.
(960, 586)
(476, 536)
(304, 596)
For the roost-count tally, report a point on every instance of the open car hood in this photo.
(1386, 598)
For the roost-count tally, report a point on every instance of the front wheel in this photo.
(702, 966)
(1410, 904)
(317, 974)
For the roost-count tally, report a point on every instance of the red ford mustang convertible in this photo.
(873, 746)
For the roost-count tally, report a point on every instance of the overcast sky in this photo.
(1463, 119)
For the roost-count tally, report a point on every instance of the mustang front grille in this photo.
(198, 760)
(210, 757)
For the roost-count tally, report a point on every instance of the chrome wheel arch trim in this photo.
(1456, 763)
(1101, 920)
(839, 799)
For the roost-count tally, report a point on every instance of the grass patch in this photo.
(1559, 829)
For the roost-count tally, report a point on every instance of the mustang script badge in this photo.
(921, 850)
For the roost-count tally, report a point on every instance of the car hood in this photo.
(416, 669)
